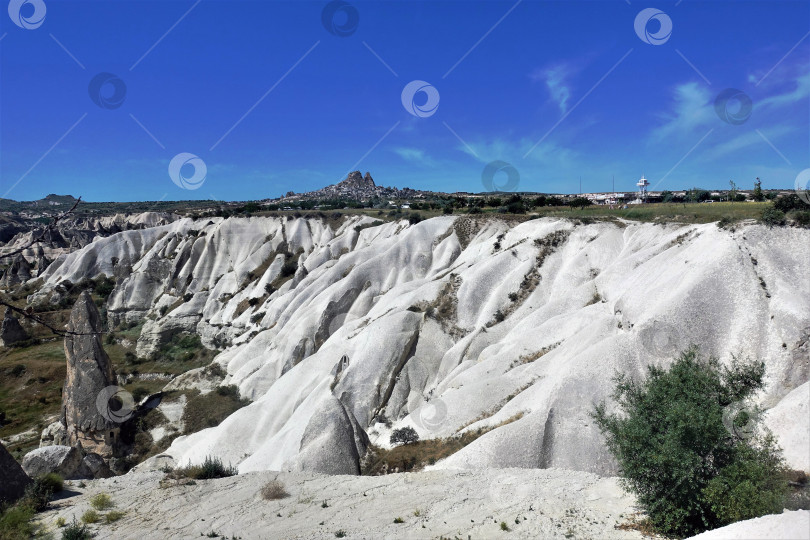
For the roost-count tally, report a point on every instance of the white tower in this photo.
(642, 188)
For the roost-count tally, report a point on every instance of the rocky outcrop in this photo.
(69, 462)
(357, 186)
(62, 460)
(441, 330)
(91, 417)
(333, 442)
(18, 271)
(53, 434)
(13, 479)
(11, 331)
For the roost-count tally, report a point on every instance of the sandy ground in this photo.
(550, 503)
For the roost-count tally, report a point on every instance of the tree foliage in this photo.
(405, 435)
(680, 449)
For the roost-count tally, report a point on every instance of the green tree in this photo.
(405, 435)
(580, 202)
(758, 195)
(732, 193)
(679, 448)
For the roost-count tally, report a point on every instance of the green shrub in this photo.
(405, 435)
(786, 203)
(51, 482)
(38, 493)
(15, 522)
(771, 216)
(91, 516)
(74, 531)
(101, 501)
(113, 516)
(689, 469)
(801, 218)
(288, 269)
(748, 487)
(104, 286)
(212, 467)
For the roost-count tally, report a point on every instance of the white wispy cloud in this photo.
(556, 80)
(747, 138)
(692, 108)
(414, 155)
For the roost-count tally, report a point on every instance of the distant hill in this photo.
(358, 187)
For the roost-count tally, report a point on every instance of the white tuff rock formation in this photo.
(451, 324)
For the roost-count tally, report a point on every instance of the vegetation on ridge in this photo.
(688, 449)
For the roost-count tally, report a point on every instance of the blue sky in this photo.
(559, 90)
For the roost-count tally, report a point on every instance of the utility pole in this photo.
(580, 185)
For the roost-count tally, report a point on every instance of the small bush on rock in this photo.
(213, 467)
(101, 501)
(274, 490)
(91, 516)
(113, 516)
(771, 216)
(38, 493)
(405, 435)
(74, 531)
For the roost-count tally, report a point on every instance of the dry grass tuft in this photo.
(274, 490)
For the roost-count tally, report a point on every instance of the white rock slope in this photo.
(451, 324)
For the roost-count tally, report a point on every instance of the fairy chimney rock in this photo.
(11, 331)
(89, 374)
